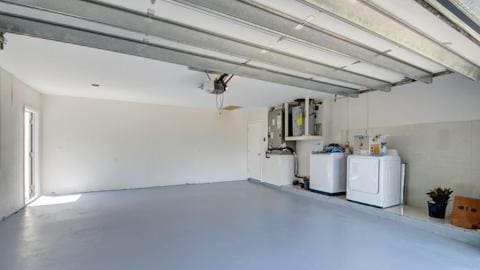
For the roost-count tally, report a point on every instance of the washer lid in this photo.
(330, 154)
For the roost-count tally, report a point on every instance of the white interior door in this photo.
(256, 145)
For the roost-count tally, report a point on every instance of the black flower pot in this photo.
(436, 210)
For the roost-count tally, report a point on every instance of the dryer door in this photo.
(363, 175)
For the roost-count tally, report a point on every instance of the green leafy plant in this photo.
(440, 195)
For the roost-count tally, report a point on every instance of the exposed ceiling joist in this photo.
(68, 34)
(273, 20)
(160, 27)
(365, 15)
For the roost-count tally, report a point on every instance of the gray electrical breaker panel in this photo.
(298, 120)
(276, 129)
(312, 118)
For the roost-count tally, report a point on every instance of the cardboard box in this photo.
(466, 212)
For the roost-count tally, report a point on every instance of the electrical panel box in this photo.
(276, 129)
(318, 120)
(298, 125)
(312, 119)
(303, 120)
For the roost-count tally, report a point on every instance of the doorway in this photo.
(255, 149)
(30, 155)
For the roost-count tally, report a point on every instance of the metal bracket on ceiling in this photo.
(151, 12)
(150, 16)
(246, 62)
(340, 68)
(202, 70)
(386, 88)
(426, 79)
(208, 76)
(352, 95)
(346, 95)
(3, 41)
(383, 53)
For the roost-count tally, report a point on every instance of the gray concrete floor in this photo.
(235, 225)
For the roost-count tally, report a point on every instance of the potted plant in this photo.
(438, 204)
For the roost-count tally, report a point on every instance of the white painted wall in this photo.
(304, 149)
(14, 95)
(434, 127)
(449, 98)
(92, 144)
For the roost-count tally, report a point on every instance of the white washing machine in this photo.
(328, 173)
(374, 180)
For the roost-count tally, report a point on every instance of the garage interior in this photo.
(239, 134)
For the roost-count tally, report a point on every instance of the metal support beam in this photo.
(367, 16)
(276, 21)
(194, 36)
(104, 41)
(406, 81)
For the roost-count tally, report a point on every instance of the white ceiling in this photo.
(64, 69)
